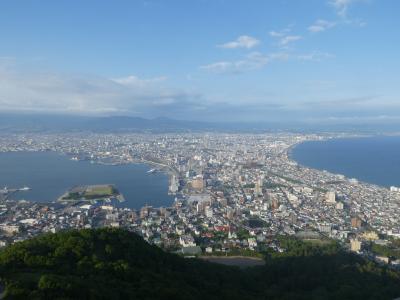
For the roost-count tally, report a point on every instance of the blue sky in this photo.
(299, 60)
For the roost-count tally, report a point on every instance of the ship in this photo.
(152, 171)
(25, 188)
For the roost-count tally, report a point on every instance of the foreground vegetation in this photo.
(117, 264)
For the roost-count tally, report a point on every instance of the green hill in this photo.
(117, 264)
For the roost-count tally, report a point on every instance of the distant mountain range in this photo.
(60, 123)
(28, 123)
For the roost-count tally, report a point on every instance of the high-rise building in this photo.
(330, 197)
(274, 204)
(258, 187)
(174, 185)
(198, 182)
(208, 212)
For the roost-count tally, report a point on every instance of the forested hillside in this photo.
(117, 264)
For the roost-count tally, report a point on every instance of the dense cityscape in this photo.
(234, 195)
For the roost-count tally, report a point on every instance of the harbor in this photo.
(5, 193)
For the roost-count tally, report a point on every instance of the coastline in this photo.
(290, 156)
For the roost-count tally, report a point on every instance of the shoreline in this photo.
(290, 156)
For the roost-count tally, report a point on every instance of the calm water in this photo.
(50, 174)
(373, 159)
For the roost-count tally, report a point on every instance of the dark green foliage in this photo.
(117, 264)
(249, 186)
(109, 264)
(391, 250)
(255, 222)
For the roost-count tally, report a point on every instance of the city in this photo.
(200, 149)
(234, 195)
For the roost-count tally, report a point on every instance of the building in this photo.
(394, 189)
(274, 204)
(198, 182)
(144, 211)
(339, 205)
(208, 212)
(382, 259)
(326, 228)
(356, 222)
(174, 185)
(187, 241)
(370, 236)
(9, 229)
(258, 187)
(330, 197)
(355, 245)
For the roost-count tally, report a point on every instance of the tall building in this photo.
(229, 213)
(330, 197)
(274, 204)
(208, 212)
(198, 182)
(258, 187)
(174, 185)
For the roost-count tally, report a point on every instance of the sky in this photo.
(313, 61)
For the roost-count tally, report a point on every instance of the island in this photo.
(92, 193)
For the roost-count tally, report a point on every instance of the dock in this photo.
(5, 193)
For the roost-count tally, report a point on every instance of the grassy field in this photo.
(91, 192)
(101, 190)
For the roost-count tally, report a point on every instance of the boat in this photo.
(152, 171)
(25, 188)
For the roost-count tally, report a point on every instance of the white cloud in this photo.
(280, 33)
(140, 82)
(342, 6)
(219, 67)
(257, 60)
(321, 25)
(252, 61)
(284, 41)
(243, 41)
(315, 56)
(284, 37)
(276, 34)
(21, 90)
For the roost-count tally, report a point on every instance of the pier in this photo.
(5, 193)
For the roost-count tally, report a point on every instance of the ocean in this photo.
(374, 160)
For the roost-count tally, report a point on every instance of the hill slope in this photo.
(117, 264)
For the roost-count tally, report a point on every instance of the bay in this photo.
(374, 159)
(50, 174)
